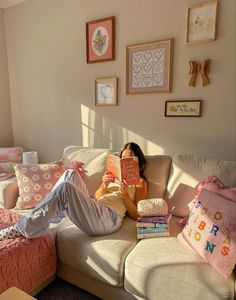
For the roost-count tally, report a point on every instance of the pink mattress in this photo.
(25, 263)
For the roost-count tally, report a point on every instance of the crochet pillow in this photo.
(152, 207)
(211, 230)
(36, 181)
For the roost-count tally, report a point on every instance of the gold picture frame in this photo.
(183, 108)
(100, 40)
(201, 22)
(149, 67)
(106, 93)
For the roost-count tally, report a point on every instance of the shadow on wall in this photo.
(101, 132)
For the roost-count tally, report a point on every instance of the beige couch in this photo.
(119, 266)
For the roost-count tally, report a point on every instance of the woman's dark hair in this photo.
(137, 152)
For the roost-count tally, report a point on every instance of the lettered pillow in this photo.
(211, 230)
(36, 181)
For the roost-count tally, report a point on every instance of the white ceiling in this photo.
(8, 3)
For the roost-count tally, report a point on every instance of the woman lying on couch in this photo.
(95, 216)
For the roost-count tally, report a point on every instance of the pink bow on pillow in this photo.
(76, 165)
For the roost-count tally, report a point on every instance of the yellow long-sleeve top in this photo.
(114, 198)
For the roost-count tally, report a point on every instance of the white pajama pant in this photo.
(71, 195)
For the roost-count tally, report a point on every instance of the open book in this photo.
(126, 168)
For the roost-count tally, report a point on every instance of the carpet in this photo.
(59, 289)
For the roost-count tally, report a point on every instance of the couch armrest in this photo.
(9, 193)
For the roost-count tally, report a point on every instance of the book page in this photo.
(113, 166)
(130, 170)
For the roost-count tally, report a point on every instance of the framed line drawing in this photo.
(100, 40)
(201, 22)
(183, 108)
(149, 67)
(106, 91)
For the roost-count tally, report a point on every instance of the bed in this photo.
(26, 264)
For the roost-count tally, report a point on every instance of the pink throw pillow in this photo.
(211, 230)
(13, 154)
(212, 183)
(36, 181)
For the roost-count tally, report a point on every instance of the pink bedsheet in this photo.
(25, 263)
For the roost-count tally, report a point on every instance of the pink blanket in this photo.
(25, 263)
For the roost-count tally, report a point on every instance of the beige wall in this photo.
(6, 134)
(52, 86)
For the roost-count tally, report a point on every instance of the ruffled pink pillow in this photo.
(36, 181)
(212, 183)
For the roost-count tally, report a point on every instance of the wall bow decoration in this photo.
(195, 68)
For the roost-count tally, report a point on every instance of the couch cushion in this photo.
(102, 258)
(163, 268)
(157, 174)
(94, 160)
(187, 171)
(3, 186)
(11, 195)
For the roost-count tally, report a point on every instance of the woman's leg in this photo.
(74, 178)
(70, 194)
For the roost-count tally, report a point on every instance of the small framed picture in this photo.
(100, 40)
(183, 108)
(201, 22)
(149, 67)
(106, 91)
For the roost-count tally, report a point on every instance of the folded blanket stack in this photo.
(153, 219)
(8, 158)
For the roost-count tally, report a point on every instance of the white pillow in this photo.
(94, 160)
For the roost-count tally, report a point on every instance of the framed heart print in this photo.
(106, 91)
(149, 67)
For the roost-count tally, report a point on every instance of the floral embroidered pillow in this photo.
(36, 181)
(211, 230)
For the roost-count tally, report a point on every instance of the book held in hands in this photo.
(126, 168)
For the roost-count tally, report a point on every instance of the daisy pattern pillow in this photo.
(36, 181)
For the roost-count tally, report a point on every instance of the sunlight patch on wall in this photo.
(102, 132)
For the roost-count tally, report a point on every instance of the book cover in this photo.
(155, 219)
(152, 230)
(153, 234)
(126, 168)
(151, 225)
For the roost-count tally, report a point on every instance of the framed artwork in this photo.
(100, 40)
(149, 67)
(106, 91)
(183, 108)
(201, 22)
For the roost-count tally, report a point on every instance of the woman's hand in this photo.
(107, 178)
(76, 165)
(124, 188)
